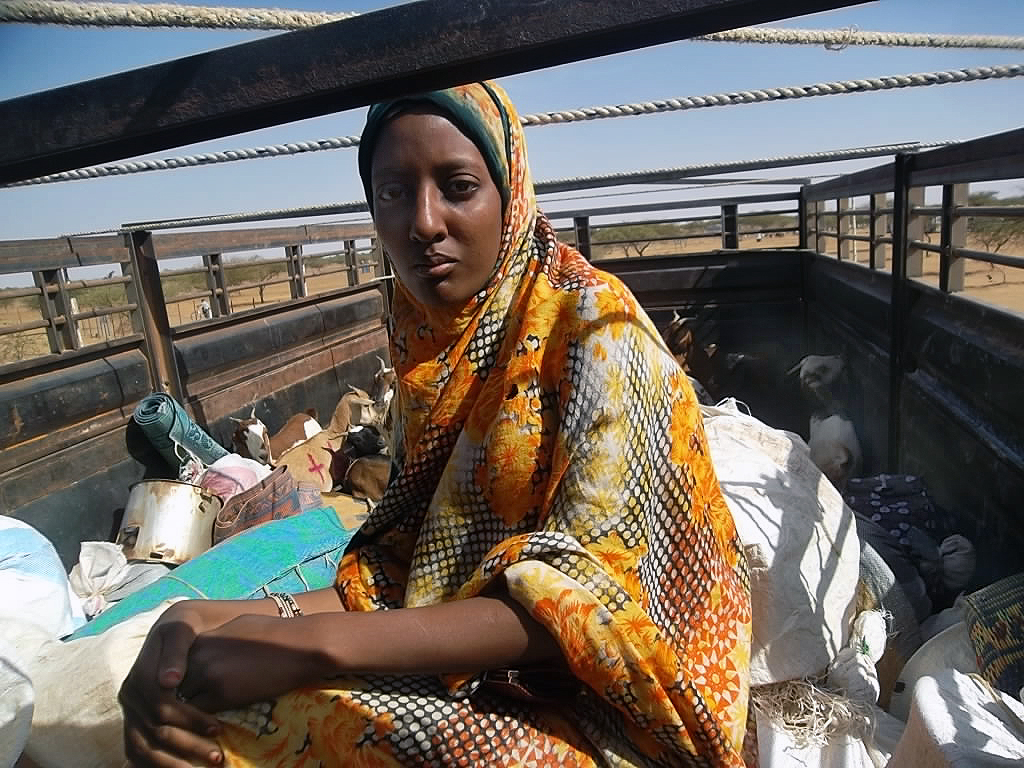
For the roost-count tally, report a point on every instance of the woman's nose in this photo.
(428, 224)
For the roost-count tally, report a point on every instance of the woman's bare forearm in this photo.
(470, 635)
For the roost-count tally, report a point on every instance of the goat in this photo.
(834, 448)
(298, 429)
(367, 477)
(820, 378)
(364, 441)
(319, 461)
(695, 359)
(383, 386)
(252, 440)
(354, 409)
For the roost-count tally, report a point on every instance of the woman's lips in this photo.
(434, 270)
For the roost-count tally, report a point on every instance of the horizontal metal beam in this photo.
(866, 182)
(674, 205)
(404, 49)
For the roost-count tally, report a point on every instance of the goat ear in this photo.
(795, 368)
(237, 421)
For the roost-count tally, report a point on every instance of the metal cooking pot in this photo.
(167, 521)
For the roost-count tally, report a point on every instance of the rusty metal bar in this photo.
(6, 330)
(153, 312)
(19, 293)
(104, 311)
(296, 271)
(339, 66)
(843, 229)
(915, 233)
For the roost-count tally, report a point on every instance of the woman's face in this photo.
(436, 208)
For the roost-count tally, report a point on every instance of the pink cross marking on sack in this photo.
(314, 467)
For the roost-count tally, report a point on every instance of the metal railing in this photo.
(992, 158)
(137, 309)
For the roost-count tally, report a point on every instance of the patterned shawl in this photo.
(546, 434)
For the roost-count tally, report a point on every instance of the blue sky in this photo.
(33, 58)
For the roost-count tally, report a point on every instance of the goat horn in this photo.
(383, 365)
(252, 415)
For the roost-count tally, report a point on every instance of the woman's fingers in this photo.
(176, 637)
(166, 746)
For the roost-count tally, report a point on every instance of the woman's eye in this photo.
(389, 192)
(460, 188)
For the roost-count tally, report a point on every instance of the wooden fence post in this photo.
(843, 229)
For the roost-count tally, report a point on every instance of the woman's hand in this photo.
(250, 659)
(159, 728)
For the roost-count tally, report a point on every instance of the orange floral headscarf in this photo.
(548, 439)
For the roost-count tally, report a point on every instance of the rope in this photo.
(173, 15)
(785, 93)
(359, 206)
(837, 39)
(159, 15)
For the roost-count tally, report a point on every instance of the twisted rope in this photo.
(105, 14)
(159, 15)
(836, 39)
(786, 93)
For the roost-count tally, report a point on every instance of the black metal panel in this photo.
(39, 405)
(218, 350)
(405, 49)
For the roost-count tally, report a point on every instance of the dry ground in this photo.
(1000, 286)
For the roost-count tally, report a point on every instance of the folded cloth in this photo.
(275, 497)
(296, 554)
(166, 424)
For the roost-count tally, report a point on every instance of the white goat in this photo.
(835, 449)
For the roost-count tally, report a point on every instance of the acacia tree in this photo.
(640, 236)
(995, 233)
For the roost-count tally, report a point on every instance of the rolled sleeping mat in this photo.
(164, 422)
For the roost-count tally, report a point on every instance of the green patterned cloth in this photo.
(165, 424)
(995, 623)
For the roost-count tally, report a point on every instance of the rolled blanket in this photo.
(165, 423)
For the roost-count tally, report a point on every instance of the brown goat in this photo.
(367, 477)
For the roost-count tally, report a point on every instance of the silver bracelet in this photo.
(286, 605)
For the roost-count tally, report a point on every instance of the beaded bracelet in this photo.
(286, 605)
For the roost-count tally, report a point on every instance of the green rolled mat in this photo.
(164, 422)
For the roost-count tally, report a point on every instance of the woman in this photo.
(562, 578)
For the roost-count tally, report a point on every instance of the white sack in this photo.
(16, 702)
(77, 720)
(102, 568)
(33, 584)
(777, 749)
(959, 720)
(949, 649)
(801, 540)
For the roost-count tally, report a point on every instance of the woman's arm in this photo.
(462, 636)
(225, 654)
